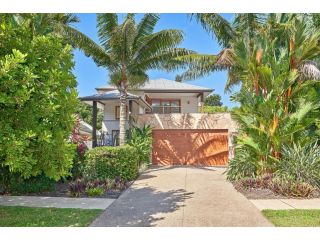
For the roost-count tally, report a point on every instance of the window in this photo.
(117, 112)
(166, 105)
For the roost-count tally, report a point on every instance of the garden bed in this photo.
(62, 190)
(263, 193)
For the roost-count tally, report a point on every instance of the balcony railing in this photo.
(166, 109)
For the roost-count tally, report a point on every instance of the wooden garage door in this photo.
(190, 147)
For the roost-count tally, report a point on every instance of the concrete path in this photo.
(279, 204)
(56, 202)
(181, 196)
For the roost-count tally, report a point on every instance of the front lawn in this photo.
(294, 218)
(46, 217)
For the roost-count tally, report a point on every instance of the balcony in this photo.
(165, 109)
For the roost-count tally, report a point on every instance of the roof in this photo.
(165, 85)
(113, 95)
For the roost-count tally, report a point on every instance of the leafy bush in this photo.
(37, 98)
(300, 164)
(95, 191)
(242, 165)
(110, 162)
(36, 184)
(141, 140)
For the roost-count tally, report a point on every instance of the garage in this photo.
(196, 147)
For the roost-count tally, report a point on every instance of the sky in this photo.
(89, 76)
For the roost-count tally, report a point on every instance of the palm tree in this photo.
(248, 27)
(129, 49)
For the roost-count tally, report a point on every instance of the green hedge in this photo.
(110, 162)
(36, 184)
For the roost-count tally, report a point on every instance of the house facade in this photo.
(181, 133)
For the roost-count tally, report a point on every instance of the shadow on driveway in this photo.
(141, 207)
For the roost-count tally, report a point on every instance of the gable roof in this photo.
(165, 85)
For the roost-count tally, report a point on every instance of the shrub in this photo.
(96, 191)
(77, 188)
(242, 165)
(36, 184)
(300, 164)
(141, 139)
(110, 162)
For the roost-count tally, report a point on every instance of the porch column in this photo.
(94, 124)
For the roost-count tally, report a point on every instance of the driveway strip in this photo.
(181, 196)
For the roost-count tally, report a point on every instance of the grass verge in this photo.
(294, 218)
(13, 216)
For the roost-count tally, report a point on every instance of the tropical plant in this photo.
(37, 95)
(128, 50)
(274, 58)
(141, 140)
(300, 164)
(242, 165)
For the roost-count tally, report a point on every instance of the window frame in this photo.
(117, 110)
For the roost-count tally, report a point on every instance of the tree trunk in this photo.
(123, 113)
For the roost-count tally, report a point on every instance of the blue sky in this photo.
(90, 76)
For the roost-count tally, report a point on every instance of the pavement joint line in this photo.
(185, 193)
(281, 200)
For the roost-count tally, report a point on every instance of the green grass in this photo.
(46, 217)
(294, 218)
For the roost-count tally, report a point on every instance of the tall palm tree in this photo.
(129, 49)
(247, 27)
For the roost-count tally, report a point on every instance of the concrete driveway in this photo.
(181, 196)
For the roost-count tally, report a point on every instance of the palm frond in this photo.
(145, 27)
(84, 43)
(106, 23)
(156, 42)
(216, 24)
